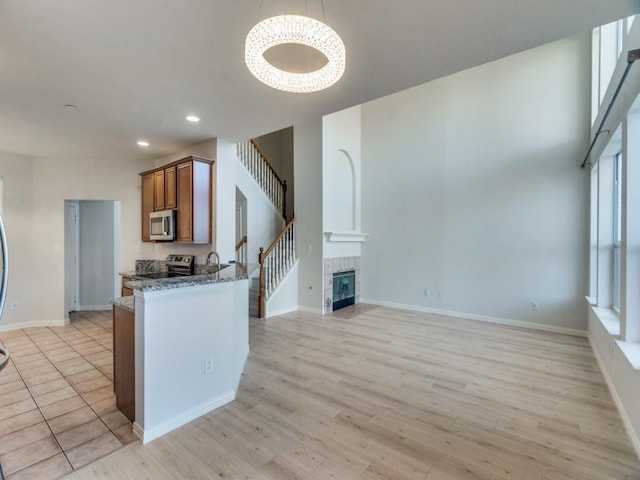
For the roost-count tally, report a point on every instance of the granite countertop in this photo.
(232, 273)
(126, 303)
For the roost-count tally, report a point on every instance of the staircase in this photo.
(264, 174)
(278, 258)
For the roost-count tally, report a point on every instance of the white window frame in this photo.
(617, 230)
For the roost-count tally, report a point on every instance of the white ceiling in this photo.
(135, 68)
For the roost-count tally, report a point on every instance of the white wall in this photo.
(471, 189)
(17, 173)
(307, 148)
(278, 148)
(264, 222)
(96, 251)
(35, 191)
(172, 386)
(342, 179)
(621, 376)
(284, 299)
(225, 202)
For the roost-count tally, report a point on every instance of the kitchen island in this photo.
(191, 343)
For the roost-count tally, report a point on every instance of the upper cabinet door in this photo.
(185, 202)
(147, 205)
(170, 197)
(158, 186)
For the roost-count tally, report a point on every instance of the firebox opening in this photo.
(344, 289)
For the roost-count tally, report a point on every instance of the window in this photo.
(607, 43)
(617, 228)
(593, 242)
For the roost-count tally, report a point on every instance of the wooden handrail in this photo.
(284, 256)
(259, 167)
(282, 183)
(264, 158)
(241, 242)
(275, 242)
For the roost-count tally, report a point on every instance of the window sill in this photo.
(609, 320)
(631, 351)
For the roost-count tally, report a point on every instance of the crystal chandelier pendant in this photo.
(295, 29)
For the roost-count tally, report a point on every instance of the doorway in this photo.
(241, 226)
(92, 253)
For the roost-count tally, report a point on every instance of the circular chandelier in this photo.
(296, 29)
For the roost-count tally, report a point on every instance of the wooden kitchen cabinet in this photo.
(186, 186)
(147, 205)
(125, 291)
(170, 197)
(158, 190)
(124, 373)
(194, 200)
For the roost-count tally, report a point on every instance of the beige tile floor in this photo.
(57, 407)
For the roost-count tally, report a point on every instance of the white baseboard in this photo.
(138, 431)
(283, 311)
(481, 318)
(88, 308)
(37, 323)
(633, 436)
(147, 435)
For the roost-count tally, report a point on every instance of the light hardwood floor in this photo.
(376, 393)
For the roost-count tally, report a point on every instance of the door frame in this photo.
(72, 255)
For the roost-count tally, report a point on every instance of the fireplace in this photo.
(344, 289)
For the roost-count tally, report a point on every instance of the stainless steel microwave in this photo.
(162, 225)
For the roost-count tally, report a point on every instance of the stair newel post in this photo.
(261, 297)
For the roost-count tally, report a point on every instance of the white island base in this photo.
(191, 344)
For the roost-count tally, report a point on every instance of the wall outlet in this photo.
(208, 365)
(136, 249)
(535, 306)
(14, 305)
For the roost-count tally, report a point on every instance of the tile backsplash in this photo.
(147, 266)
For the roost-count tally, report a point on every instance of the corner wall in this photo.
(307, 149)
(35, 190)
(471, 191)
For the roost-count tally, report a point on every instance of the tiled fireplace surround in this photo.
(337, 265)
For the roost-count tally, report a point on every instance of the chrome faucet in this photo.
(213, 252)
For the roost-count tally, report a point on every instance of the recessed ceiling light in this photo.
(192, 118)
(143, 143)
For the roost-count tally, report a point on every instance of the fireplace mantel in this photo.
(346, 236)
